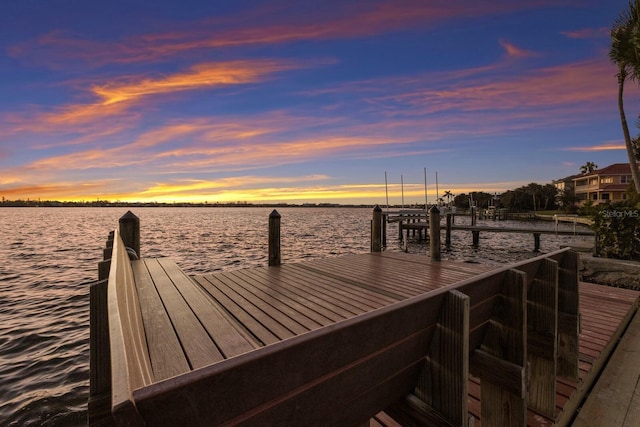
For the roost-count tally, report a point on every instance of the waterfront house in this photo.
(603, 185)
(563, 185)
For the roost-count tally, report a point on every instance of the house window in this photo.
(605, 196)
(625, 179)
(593, 181)
(581, 183)
(606, 180)
(594, 196)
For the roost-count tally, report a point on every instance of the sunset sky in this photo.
(303, 101)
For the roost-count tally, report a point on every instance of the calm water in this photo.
(49, 257)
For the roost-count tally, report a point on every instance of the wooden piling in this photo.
(536, 242)
(376, 230)
(474, 215)
(384, 230)
(129, 225)
(275, 258)
(476, 238)
(447, 236)
(434, 233)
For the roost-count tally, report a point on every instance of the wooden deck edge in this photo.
(570, 410)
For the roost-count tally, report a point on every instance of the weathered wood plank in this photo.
(344, 289)
(611, 402)
(542, 332)
(230, 339)
(226, 287)
(302, 310)
(506, 339)
(195, 340)
(130, 364)
(569, 312)
(302, 293)
(289, 317)
(165, 351)
(262, 334)
(443, 382)
(335, 295)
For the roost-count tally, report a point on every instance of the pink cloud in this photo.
(587, 33)
(515, 51)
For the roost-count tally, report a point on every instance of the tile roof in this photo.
(614, 169)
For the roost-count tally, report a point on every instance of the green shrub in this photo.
(617, 227)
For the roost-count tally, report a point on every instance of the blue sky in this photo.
(287, 101)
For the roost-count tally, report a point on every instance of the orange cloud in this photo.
(199, 76)
(115, 98)
(600, 147)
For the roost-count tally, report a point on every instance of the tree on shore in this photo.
(448, 195)
(625, 54)
(588, 168)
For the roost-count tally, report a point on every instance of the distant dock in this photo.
(417, 222)
(377, 339)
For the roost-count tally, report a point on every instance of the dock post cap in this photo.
(434, 211)
(274, 214)
(377, 208)
(129, 215)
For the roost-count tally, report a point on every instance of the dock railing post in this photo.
(434, 233)
(130, 231)
(274, 239)
(474, 215)
(376, 230)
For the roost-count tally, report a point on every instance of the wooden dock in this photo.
(615, 399)
(422, 227)
(388, 337)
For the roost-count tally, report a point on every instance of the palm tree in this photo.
(588, 168)
(625, 53)
(448, 194)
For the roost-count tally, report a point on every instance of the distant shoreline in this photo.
(105, 204)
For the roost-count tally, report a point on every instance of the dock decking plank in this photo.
(273, 280)
(165, 352)
(234, 310)
(225, 287)
(276, 292)
(293, 319)
(343, 293)
(197, 343)
(230, 339)
(611, 402)
(351, 290)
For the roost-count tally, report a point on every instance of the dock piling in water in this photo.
(129, 225)
(274, 239)
(434, 233)
(447, 236)
(376, 230)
